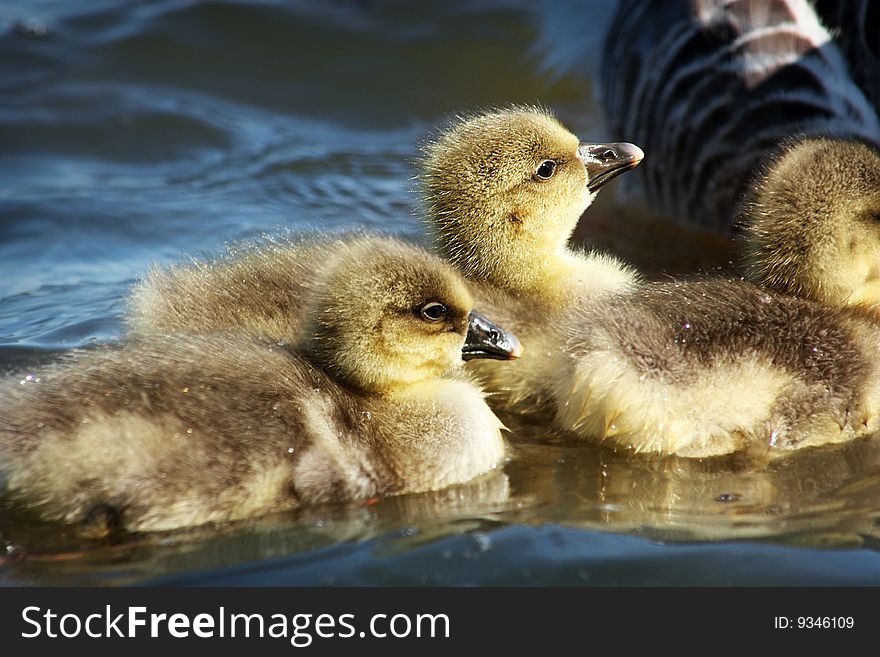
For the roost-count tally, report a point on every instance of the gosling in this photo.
(689, 368)
(811, 227)
(168, 431)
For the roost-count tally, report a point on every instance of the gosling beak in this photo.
(605, 162)
(485, 340)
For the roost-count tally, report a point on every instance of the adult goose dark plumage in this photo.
(711, 89)
(855, 25)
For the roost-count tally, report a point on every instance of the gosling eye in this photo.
(433, 311)
(546, 169)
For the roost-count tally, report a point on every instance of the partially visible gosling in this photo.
(812, 225)
(690, 368)
(175, 430)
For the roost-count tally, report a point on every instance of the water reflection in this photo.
(823, 497)
(136, 132)
(46, 553)
(818, 498)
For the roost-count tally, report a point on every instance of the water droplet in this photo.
(15, 552)
(189, 431)
(727, 497)
(367, 415)
(773, 436)
(185, 390)
(483, 541)
(290, 450)
(765, 298)
(687, 325)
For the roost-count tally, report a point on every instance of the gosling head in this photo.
(387, 315)
(812, 225)
(505, 190)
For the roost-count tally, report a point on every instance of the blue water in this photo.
(133, 133)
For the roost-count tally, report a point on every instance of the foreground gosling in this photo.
(689, 368)
(812, 224)
(175, 430)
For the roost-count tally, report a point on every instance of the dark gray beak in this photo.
(486, 340)
(605, 162)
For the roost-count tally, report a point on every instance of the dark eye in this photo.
(546, 169)
(433, 312)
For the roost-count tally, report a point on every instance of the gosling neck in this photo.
(544, 272)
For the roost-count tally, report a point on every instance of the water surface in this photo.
(133, 133)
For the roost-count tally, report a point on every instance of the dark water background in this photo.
(135, 132)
